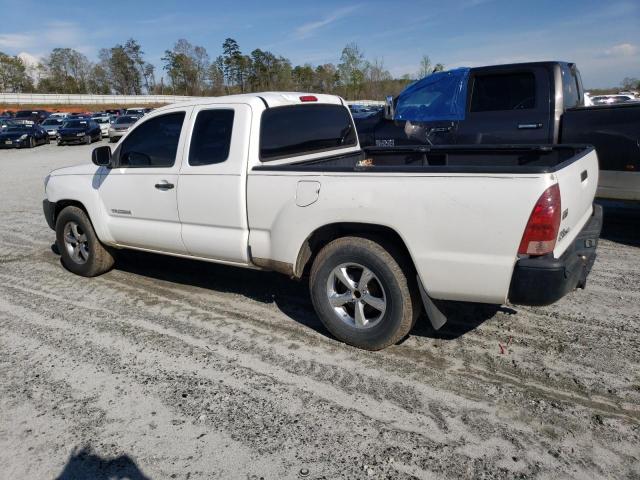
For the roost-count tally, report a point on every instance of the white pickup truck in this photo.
(278, 181)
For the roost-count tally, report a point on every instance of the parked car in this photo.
(79, 131)
(612, 99)
(21, 135)
(78, 116)
(363, 111)
(8, 113)
(278, 181)
(51, 125)
(115, 111)
(31, 116)
(59, 115)
(105, 123)
(5, 121)
(120, 126)
(526, 103)
(135, 111)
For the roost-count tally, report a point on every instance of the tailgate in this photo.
(578, 182)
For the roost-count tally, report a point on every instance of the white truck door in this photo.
(139, 194)
(212, 185)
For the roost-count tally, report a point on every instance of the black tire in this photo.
(47, 140)
(393, 272)
(99, 260)
(60, 143)
(100, 137)
(32, 142)
(87, 140)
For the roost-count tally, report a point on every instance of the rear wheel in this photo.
(363, 292)
(80, 250)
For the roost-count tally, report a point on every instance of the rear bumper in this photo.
(545, 280)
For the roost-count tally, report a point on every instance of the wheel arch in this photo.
(62, 204)
(321, 236)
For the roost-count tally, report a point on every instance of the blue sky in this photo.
(602, 37)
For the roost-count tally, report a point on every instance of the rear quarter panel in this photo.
(462, 230)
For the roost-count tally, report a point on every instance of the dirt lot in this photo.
(167, 368)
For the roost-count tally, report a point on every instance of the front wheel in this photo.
(363, 292)
(87, 139)
(80, 250)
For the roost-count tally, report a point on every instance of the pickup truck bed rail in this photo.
(497, 159)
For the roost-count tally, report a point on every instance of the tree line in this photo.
(189, 70)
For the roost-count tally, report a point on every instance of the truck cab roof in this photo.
(263, 99)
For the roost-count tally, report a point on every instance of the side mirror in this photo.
(389, 110)
(101, 156)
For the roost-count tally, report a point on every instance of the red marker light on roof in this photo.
(308, 98)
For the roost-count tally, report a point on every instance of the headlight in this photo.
(23, 136)
(81, 134)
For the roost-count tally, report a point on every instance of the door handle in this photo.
(164, 185)
(529, 126)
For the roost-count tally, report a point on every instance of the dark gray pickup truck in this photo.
(526, 103)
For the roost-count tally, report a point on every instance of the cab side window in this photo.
(211, 137)
(512, 91)
(154, 143)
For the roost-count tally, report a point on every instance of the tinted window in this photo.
(75, 124)
(515, 91)
(211, 137)
(301, 129)
(126, 119)
(154, 143)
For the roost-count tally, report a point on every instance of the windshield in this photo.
(25, 114)
(18, 128)
(101, 119)
(52, 121)
(126, 119)
(75, 124)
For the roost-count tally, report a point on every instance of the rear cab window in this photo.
(211, 138)
(295, 130)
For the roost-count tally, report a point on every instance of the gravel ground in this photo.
(168, 368)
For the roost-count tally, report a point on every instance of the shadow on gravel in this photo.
(290, 296)
(86, 465)
(461, 319)
(621, 222)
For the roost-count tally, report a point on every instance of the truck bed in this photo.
(531, 159)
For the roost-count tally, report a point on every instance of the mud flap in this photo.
(436, 317)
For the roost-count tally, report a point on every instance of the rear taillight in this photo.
(540, 235)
